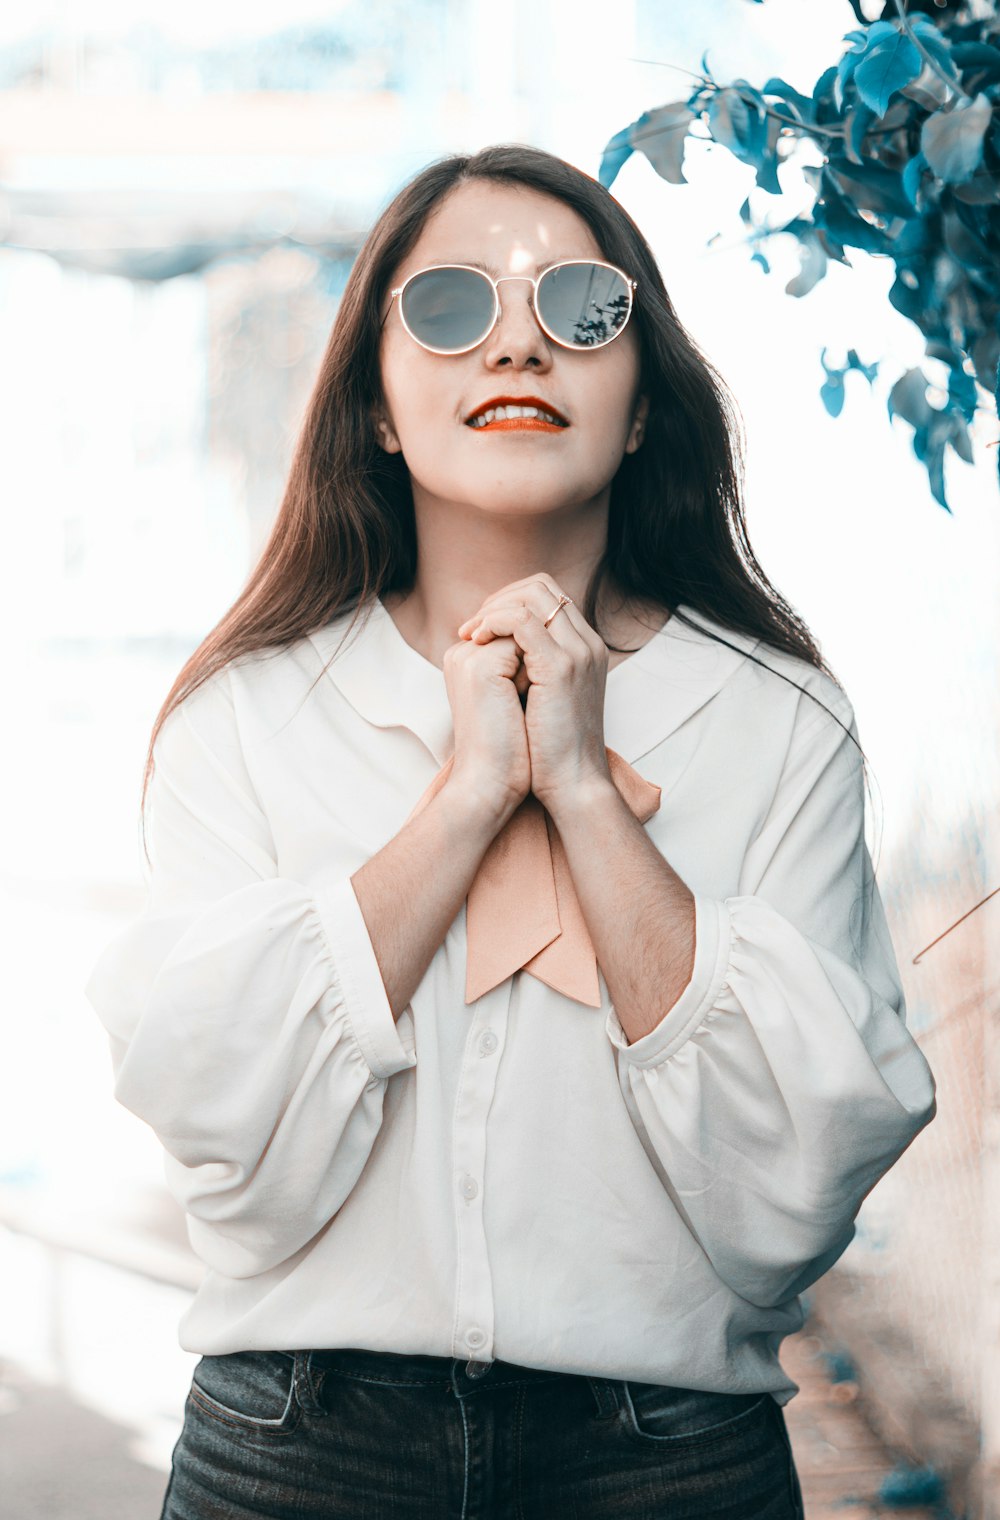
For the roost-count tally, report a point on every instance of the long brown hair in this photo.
(345, 531)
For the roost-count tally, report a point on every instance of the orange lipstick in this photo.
(540, 424)
(519, 424)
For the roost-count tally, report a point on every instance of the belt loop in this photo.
(305, 1389)
(606, 1395)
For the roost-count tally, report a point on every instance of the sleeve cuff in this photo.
(711, 963)
(356, 967)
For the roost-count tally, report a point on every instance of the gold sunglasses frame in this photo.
(576, 348)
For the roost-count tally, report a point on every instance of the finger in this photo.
(573, 634)
(506, 656)
(541, 650)
(542, 595)
(513, 591)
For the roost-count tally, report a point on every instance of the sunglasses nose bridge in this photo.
(501, 312)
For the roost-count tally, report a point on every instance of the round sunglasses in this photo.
(452, 308)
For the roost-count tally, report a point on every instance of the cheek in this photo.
(418, 396)
(610, 409)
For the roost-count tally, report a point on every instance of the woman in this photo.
(513, 1000)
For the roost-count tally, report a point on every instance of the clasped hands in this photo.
(561, 679)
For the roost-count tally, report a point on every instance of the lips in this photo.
(549, 418)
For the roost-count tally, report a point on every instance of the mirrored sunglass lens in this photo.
(584, 304)
(448, 308)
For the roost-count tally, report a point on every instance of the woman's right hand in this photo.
(492, 762)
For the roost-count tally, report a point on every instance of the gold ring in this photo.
(562, 602)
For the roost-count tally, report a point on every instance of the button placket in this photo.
(474, 1310)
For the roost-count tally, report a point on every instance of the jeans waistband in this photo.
(402, 1368)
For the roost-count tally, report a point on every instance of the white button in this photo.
(470, 1187)
(488, 1043)
(475, 1337)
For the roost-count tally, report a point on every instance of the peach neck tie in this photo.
(522, 912)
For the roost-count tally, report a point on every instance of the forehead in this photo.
(504, 229)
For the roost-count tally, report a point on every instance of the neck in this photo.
(465, 555)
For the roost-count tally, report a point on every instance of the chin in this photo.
(531, 498)
(529, 489)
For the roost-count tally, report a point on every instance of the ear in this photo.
(638, 428)
(385, 433)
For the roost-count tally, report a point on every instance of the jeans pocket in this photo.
(252, 1391)
(659, 1412)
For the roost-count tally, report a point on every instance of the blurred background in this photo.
(182, 193)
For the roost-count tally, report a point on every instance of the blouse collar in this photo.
(648, 694)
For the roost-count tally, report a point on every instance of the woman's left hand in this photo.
(566, 665)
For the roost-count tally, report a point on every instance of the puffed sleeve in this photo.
(783, 1082)
(248, 1021)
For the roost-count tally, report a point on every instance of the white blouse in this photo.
(510, 1179)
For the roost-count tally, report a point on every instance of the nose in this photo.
(517, 340)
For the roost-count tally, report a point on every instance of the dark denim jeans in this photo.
(364, 1435)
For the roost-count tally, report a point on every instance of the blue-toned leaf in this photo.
(812, 266)
(909, 300)
(964, 244)
(736, 125)
(751, 94)
(856, 123)
(825, 83)
(767, 163)
(834, 213)
(801, 226)
(908, 399)
(916, 239)
(911, 177)
(858, 40)
(872, 186)
(980, 223)
(661, 135)
(952, 140)
(962, 397)
(877, 33)
(801, 105)
(832, 248)
(832, 394)
(932, 447)
(983, 189)
(977, 59)
(616, 151)
(885, 69)
(861, 44)
(868, 370)
(940, 348)
(844, 74)
(960, 440)
(767, 176)
(986, 358)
